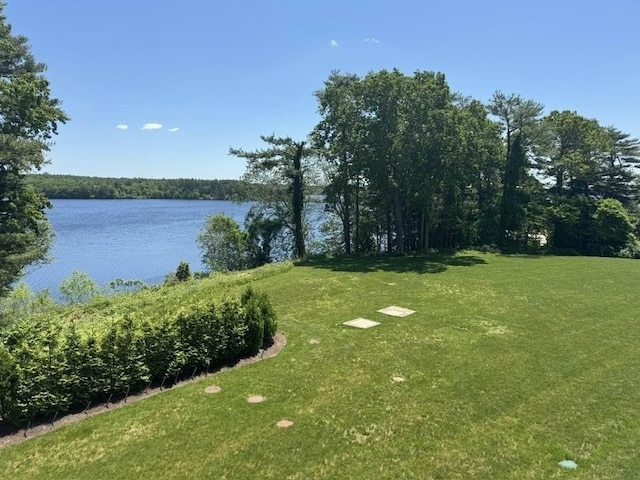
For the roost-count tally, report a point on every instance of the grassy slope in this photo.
(512, 364)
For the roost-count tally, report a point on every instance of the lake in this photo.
(128, 239)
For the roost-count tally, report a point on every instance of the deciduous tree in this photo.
(223, 244)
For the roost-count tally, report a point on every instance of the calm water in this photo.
(129, 239)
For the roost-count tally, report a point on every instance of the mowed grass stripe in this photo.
(511, 364)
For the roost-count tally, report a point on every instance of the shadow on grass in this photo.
(427, 263)
(523, 255)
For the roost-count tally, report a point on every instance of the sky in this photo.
(162, 89)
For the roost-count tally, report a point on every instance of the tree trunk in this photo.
(427, 232)
(346, 218)
(389, 231)
(298, 204)
(559, 180)
(399, 223)
(357, 219)
(423, 230)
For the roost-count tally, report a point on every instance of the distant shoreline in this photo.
(77, 187)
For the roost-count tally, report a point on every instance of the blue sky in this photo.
(225, 72)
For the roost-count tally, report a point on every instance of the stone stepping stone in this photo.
(361, 323)
(284, 423)
(256, 399)
(396, 311)
(314, 341)
(398, 379)
(568, 464)
(212, 389)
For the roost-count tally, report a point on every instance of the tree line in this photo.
(81, 187)
(409, 165)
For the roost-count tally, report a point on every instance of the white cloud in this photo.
(152, 126)
(122, 126)
(372, 40)
(173, 130)
(333, 43)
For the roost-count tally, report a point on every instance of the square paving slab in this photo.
(361, 323)
(395, 311)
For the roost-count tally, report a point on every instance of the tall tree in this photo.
(520, 120)
(427, 117)
(29, 117)
(516, 116)
(570, 154)
(384, 104)
(513, 203)
(618, 164)
(337, 138)
(279, 171)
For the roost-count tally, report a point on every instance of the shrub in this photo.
(8, 385)
(631, 249)
(78, 288)
(254, 320)
(183, 272)
(614, 226)
(53, 366)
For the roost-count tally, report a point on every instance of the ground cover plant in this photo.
(511, 364)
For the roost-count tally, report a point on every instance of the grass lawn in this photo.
(511, 365)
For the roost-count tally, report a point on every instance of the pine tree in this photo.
(29, 117)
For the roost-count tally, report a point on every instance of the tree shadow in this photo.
(522, 255)
(421, 264)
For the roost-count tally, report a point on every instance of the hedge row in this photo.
(52, 368)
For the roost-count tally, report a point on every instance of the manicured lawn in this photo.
(511, 365)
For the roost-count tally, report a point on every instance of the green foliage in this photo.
(73, 186)
(631, 249)
(409, 166)
(223, 244)
(260, 318)
(28, 121)
(513, 199)
(78, 288)
(120, 285)
(580, 224)
(54, 366)
(262, 234)
(280, 170)
(572, 224)
(21, 303)
(183, 272)
(570, 152)
(8, 385)
(614, 226)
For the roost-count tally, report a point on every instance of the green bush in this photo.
(254, 321)
(54, 366)
(8, 385)
(631, 249)
(183, 273)
(614, 226)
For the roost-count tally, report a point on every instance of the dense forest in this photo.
(409, 165)
(72, 186)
